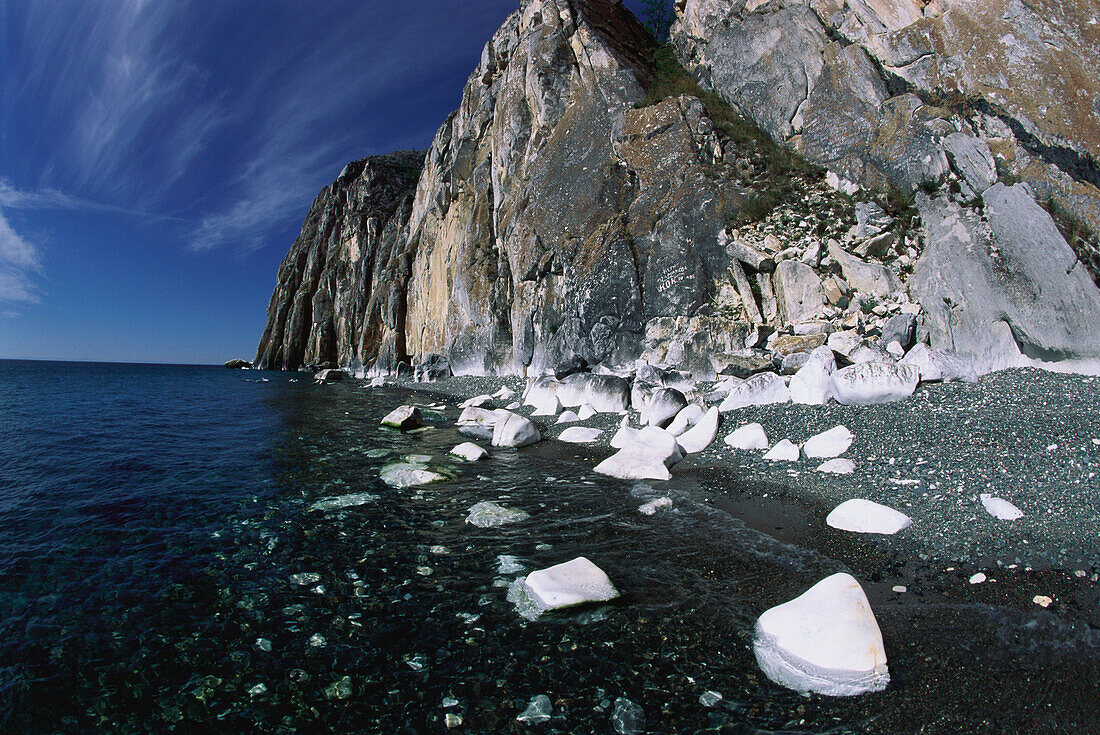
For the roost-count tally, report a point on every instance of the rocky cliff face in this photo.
(339, 294)
(589, 198)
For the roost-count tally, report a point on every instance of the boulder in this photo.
(837, 466)
(483, 401)
(331, 375)
(567, 417)
(901, 328)
(640, 393)
(575, 364)
(784, 451)
(869, 353)
(513, 430)
(759, 390)
(238, 364)
(409, 474)
(663, 406)
(786, 344)
(831, 443)
(865, 516)
(487, 514)
(972, 159)
(575, 582)
(505, 393)
(1000, 508)
(540, 391)
(743, 363)
(469, 451)
(749, 436)
(845, 342)
(798, 292)
(826, 641)
(474, 416)
(792, 363)
(549, 407)
(922, 358)
(867, 278)
(377, 382)
(813, 384)
(434, 367)
(699, 436)
(403, 418)
(644, 454)
(585, 412)
(688, 416)
(874, 382)
(579, 435)
(604, 393)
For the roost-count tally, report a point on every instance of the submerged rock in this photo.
(343, 501)
(572, 583)
(648, 509)
(865, 516)
(826, 641)
(749, 436)
(538, 711)
(487, 514)
(403, 418)
(409, 474)
(627, 718)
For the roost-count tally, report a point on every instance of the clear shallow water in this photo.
(161, 569)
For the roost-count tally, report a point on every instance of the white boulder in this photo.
(831, 443)
(403, 418)
(409, 474)
(540, 391)
(575, 582)
(699, 437)
(759, 390)
(813, 384)
(874, 382)
(513, 430)
(784, 451)
(477, 417)
(567, 417)
(505, 393)
(585, 412)
(688, 416)
(477, 402)
(925, 361)
(549, 406)
(1000, 508)
(579, 435)
(469, 451)
(663, 406)
(644, 454)
(749, 436)
(865, 516)
(837, 466)
(487, 514)
(826, 641)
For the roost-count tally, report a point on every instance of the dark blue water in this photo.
(164, 567)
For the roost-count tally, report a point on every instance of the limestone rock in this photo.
(663, 406)
(513, 430)
(579, 435)
(645, 454)
(826, 641)
(901, 328)
(403, 418)
(874, 382)
(488, 514)
(922, 358)
(575, 582)
(330, 375)
(470, 452)
(865, 516)
(699, 436)
(863, 276)
(687, 417)
(798, 291)
(813, 383)
(758, 390)
(837, 466)
(784, 451)
(1000, 508)
(749, 436)
(831, 443)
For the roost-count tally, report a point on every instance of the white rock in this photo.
(513, 430)
(699, 437)
(844, 342)
(652, 506)
(812, 384)
(978, 578)
(343, 501)
(513, 405)
(864, 516)
(826, 641)
(477, 417)
(579, 435)
(487, 514)
(540, 391)
(409, 474)
(567, 417)
(837, 466)
(377, 382)
(759, 390)
(469, 451)
(874, 382)
(831, 443)
(505, 393)
(403, 417)
(749, 436)
(688, 416)
(921, 357)
(784, 451)
(663, 406)
(1000, 508)
(477, 402)
(585, 412)
(645, 454)
(549, 406)
(575, 582)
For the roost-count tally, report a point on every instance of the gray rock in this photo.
(329, 376)
(433, 368)
(663, 406)
(871, 219)
(972, 159)
(867, 278)
(743, 363)
(798, 292)
(627, 718)
(1005, 285)
(901, 329)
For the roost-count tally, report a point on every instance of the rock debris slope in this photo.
(597, 200)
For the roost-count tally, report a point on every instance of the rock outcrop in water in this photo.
(592, 202)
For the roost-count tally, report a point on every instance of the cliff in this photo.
(591, 198)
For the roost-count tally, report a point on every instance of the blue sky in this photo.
(157, 158)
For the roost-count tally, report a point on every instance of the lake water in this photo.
(165, 565)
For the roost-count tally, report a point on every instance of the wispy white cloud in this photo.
(18, 262)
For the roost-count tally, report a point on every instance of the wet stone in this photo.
(538, 710)
(340, 689)
(627, 717)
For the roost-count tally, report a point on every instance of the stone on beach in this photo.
(749, 436)
(604, 393)
(761, 389)
(688, 416)
(644, 454)
(831, 443)
(567, 417)
(487, 514)
(505, 393)
(865, 516)
(403, 418)
(1000, 508)
(579, 435)
(922, 357)
(874, 382)
(549, 406)
(585, 412)
(469, 451)
(784, 451)
(699, 437)
(538, 710)
(663, 406)
(572, 583)
(813, 384)
(477, 402)
(540, 390)
(837, 466)
(377, 382)
(513, 430)
(826, 641)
